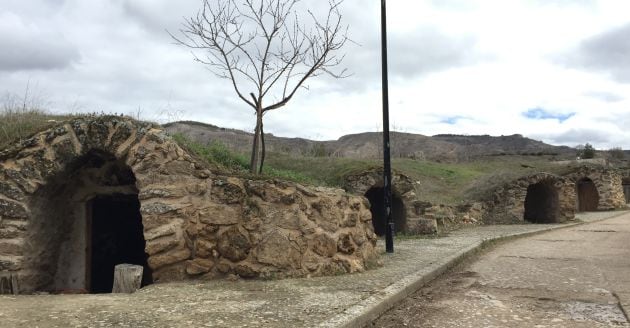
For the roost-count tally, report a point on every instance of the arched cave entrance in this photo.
(541, 203)
(85, 220)
(626, 189)
(587, 195)
(375, 196)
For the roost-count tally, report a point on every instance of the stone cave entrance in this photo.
(587, 195)
(115, 236)
(375, 197)
(85, 220)
(541, 203)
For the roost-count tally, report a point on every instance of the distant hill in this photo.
(440, 148)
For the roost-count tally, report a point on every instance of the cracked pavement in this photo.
(573, 277)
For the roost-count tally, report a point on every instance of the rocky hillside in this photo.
(440, 148)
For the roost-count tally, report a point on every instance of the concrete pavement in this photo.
(337, 301)
(576, 277)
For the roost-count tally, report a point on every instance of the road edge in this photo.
(360, 314)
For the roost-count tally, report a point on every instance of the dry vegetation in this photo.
(23, 117)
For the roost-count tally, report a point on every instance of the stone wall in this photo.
(421, 217)
(508, 201)
(443, 218)
(608, 183)
(196, 223)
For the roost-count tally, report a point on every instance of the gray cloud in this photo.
(411, 54)
(607, 52)
(151, 14)
(576, 136)
(27, 46)
(428, 50)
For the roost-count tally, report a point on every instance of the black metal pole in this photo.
(387, 169)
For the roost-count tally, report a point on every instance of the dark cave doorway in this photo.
(541, 203)
(85, 219)
(115, 236)
(376, 197)
(587, 195)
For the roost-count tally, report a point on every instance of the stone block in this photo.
(161, 231)
(323, 244)
(11, 246)
(199, 266)
(345, 244)
(277, 250)
(234, 244)
(168, 258)
(11, 209)
(11, 191)
(422, 226)
(160, 245)
(219, 214)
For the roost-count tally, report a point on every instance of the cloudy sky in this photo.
(553, 70)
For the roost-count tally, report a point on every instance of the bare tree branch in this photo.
(263, 47)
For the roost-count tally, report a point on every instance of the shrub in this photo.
(616, 153)
(586, 152)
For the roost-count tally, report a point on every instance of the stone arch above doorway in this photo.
(542, 203)
(587, 195)
(370, 184)
(540, 197)
(79, 228)
(605, 180)
(195, 223)
(398, 213)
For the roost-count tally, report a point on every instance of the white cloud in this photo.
(482, 62)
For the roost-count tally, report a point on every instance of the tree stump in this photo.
(9, 283)
(127, 278)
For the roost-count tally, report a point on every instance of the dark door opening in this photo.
(541, 203)
(117, 237)
(376, 198)
(626, 189)
(587, 195)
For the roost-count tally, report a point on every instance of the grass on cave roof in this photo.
(436, 182)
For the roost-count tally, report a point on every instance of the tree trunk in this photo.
(253, 167)
(263, 148)
(9, 284)
(127, 278)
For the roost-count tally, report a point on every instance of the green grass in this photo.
(220, 157)
(214, 153)
(328, 171)
(438, 182)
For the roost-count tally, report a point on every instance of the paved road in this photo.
(574, 277)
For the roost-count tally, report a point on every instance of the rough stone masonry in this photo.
(196, 223)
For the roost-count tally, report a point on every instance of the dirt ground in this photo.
(576, 277)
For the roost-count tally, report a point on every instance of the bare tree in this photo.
(265, 50)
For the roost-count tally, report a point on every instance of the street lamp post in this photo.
(387, 169)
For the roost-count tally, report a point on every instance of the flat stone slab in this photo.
(336, 301)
